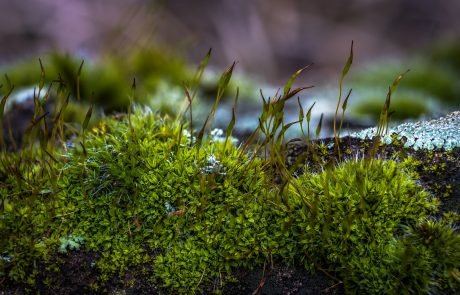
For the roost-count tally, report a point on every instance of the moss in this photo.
(189, 208)
(434, 80)
(147, 185)
(27, 209)
(405, 105)
(139, 194)
(354, 214)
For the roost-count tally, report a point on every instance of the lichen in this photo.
(442, 133)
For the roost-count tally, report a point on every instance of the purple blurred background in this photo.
(269, 38)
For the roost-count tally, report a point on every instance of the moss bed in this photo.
(148, 203)
(135, 205)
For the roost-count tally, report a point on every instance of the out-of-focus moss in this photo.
(434, 80)
(105, 82)
(405, 104)
(447, 54)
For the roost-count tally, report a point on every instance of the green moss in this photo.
(439, 242)
(27, 209)
(207, 205)
(140, 193)
(189, 209)
(355, 214)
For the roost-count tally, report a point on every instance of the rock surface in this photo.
(442, 133)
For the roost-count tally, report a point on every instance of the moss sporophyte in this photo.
(147, 195)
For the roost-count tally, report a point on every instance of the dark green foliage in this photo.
(439, 242)
(27, 206)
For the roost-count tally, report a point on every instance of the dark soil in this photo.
(282, 280)
(76, 274)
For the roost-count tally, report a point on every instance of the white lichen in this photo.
(169, 208)
(442, 133)
(212, 165)
(217, 135)
(70, 243)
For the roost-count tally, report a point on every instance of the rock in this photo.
(442, 133)
(434, 143)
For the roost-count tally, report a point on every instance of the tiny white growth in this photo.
(169, 208)
(217, 135)
(5, 258)
(147, 110)
(186, 134)
(387, 139)
(212, 166)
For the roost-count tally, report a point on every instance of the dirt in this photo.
(76, 274)
(282, 279)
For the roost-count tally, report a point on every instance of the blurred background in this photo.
(270, 39)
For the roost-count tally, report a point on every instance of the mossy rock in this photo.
(168, 214)
(142, 199)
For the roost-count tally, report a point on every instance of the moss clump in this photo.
(354, 216)
(203, 210)
(27, 207)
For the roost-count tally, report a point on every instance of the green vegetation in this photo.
(406, 104)
(206, 205)
(358, 210)
(186, 207)
(106, 82)
(434, 76)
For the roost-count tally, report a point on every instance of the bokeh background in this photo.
(270, 39)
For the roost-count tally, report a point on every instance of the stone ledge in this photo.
(441, 133)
